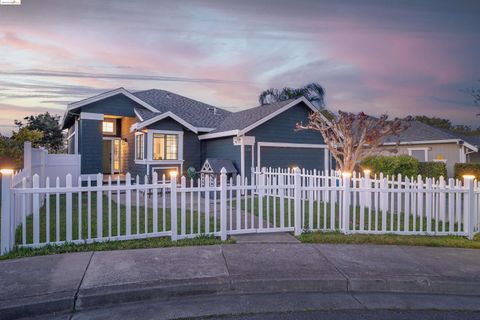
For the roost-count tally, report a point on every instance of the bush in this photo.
(462, 169)
(391, 165)
(432, 169)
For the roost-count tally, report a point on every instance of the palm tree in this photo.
(314, 92)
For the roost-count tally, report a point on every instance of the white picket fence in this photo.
(271, 200)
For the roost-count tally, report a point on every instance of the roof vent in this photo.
(214, 110)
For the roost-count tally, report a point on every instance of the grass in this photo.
(160, 242)
(118, 223)
(118, 220)
(322, 213)
(390, 239)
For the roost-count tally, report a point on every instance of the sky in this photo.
(395, 57)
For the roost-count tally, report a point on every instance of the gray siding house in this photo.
(155, 130)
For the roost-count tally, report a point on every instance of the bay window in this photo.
(139, 146)
(165, 146)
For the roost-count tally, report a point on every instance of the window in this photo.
(419, 153)
(139, 146)
(165, 146)
(108, 126)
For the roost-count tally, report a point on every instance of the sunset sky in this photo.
(408, 57)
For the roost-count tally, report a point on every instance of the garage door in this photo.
(288, 157)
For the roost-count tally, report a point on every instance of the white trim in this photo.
(457, 141)
(76, 136)
(288, 145)
(91, 116)
(201, 129)
(150, 146)
(138, 114)
(143, 124)
(70, 136)
(135, 146)
(109, 94)
(425, 150)
(261, 121)
(279, 111)
(152, 162)
(218, 134)
(245, 140)
(291, 145)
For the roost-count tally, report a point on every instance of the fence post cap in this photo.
(223, 171)
(296, 170)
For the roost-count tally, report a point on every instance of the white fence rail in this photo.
(269, 201)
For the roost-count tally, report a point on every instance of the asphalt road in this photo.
(359, 315)
(288, 306)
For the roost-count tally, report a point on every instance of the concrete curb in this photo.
(65, 302)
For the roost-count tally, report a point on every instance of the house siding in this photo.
(448, 151)
(90, 146)
(282, 129)
(221, 148)
(117, 105)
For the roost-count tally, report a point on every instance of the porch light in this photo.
(6, 171)
(468, 177)
(346, 174)
(173, 173)
(367, 171)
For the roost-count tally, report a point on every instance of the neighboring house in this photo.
(427, 143)
(120, 131)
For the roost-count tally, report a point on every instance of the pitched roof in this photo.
(218, 164)
(419, 131)
(242, 119)
(196, 113)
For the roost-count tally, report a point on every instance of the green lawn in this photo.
(322, 212)
(390, 239)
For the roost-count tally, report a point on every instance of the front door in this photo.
(111, 156)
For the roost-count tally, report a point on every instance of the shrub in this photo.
(432, 169)
(462, 169)
(391, 165)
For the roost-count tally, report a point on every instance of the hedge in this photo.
(405, 165)
(432, 169)
(462, 169)
(391, 165)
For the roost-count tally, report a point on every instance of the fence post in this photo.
(261, 191)
(469, 214)
(100, 206)
(173, 205)
(368, 184)
(6, 243)
(346, 202)
(68, 213)
(223, 204)
(297, 195)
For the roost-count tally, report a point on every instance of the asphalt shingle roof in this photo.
(196, 113)
(242, 119)
(419, 131)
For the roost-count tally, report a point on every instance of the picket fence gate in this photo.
(270, 200)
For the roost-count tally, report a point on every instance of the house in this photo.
(155, 130)
(427, 143)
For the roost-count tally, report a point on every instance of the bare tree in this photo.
(352, 137)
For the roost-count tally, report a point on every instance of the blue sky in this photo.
(408, 57)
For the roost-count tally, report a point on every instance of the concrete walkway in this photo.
(80, 281)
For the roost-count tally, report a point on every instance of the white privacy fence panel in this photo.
(272, 200)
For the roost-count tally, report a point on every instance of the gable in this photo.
(281, 128)
(117, 105)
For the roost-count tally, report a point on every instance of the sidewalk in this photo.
(80, 281)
